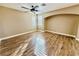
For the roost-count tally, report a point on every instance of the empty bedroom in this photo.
(39, 29)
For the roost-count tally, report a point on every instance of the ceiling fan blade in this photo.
(36, 6)
(36, 10)
(32, 6)
(25, 7)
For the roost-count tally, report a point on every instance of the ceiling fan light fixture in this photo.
(43, 4)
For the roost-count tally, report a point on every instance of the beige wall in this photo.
(68, 10)
(62, 23)
(78, 30)
(14, 22)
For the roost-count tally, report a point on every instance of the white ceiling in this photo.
(49, 6)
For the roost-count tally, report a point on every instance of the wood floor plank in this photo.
(40, 44)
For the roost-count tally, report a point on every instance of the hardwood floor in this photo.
(40, 44)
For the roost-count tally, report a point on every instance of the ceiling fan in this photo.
(34, 8)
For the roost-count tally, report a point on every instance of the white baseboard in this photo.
(15, 35)
(61, 33)
(34, 31)
(77, 39)
(41, 30)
